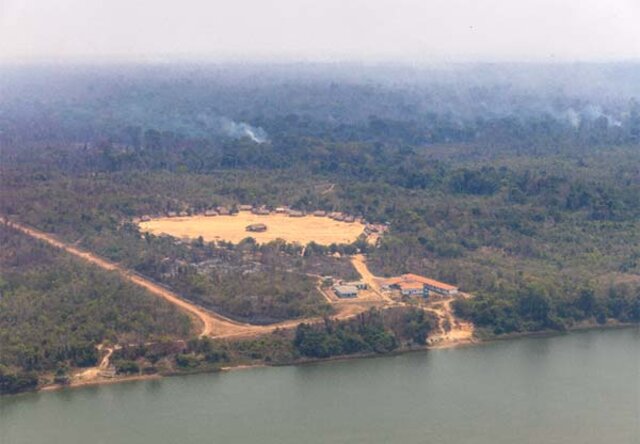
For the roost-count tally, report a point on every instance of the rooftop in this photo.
(346, 289)
(410, 278)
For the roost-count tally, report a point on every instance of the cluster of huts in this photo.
(262, 210)
(375, 229)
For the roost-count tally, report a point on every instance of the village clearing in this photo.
(301, 230)
(217, 326)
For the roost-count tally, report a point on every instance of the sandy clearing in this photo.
(461, 331)
(322, 230)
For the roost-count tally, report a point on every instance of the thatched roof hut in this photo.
(256, 228)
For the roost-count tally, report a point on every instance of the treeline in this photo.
(534, 307)
(16, 381)
(371, 332)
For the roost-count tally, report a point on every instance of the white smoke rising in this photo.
(593, 112)
(588, 113)
(238, 130)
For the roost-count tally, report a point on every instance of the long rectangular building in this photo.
(433, 285)
(409, 284)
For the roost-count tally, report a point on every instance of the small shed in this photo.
(319, 213)
(295, 213)
(245, 207)
(210, 213)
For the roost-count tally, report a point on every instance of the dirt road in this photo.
(218, 326)
(359, 263)
(212, 324)
(458, 331)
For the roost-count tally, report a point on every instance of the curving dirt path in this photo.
(212, 324)
(459, 331)
(218, 326)
(359, 263)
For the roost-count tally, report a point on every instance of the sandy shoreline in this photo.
(456, 343)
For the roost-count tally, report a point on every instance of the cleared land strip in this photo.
(212, 324)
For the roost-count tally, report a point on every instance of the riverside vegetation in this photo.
(535, 216)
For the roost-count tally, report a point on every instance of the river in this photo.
(578, 388)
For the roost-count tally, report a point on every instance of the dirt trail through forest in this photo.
(213, 324)
(218, 326)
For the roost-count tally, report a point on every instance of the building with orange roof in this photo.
(412, 284)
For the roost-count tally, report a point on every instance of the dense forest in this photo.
(520, 185)
(54, 311)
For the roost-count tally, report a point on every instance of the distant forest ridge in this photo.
(495, 103)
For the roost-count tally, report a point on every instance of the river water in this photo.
(577, 388)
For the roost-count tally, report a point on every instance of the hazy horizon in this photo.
(285, 31)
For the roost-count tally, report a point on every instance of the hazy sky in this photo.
(421, 30)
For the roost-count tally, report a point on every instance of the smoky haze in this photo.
(311, 30)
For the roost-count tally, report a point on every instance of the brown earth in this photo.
(458, 331)
(302, 230)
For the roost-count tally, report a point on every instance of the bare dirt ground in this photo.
(321, 230)
(93, 373)
(453, 331)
